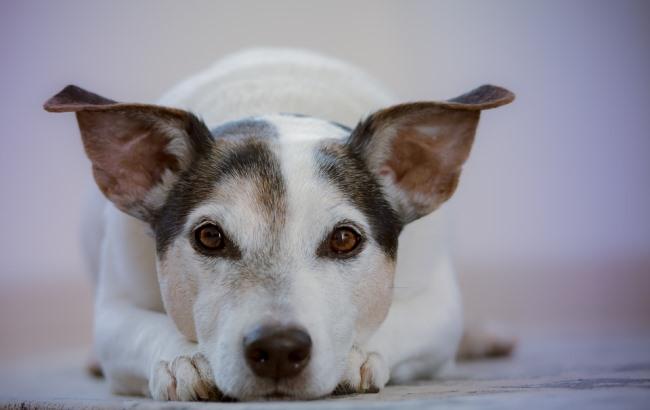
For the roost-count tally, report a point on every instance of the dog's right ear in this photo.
(417, 150)
(136, 150)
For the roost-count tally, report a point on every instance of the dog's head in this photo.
(276, 236)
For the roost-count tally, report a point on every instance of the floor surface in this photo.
(611, 372)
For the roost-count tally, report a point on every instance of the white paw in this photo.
(365, 373)
(184, 379)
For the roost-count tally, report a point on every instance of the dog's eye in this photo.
(209, 237)
(344, 240)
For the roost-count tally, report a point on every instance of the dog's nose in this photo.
(277, 352)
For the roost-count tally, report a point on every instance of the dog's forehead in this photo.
(247, 128)
(298, 128)
(319, 165)
(285, 162)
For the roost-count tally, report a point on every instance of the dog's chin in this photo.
(279, 395)
(276, 395)
(280, 392)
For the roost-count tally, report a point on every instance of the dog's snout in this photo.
(277, 352)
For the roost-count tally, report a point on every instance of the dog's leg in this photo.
(142, 352)
(420, 336)
(139, 347)
(415, 341)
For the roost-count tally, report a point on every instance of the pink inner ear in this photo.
(414, 161)
(129, 157)
(385, 171)
(426, 156)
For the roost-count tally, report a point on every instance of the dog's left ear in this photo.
(417, 150)
(137, 150)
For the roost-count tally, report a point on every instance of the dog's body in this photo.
(171, 314)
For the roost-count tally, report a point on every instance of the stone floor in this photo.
(611, 372)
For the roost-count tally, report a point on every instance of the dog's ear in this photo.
(417, 150)
(136, 150)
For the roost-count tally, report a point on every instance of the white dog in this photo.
(252, 253)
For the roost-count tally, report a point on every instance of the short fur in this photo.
(170, 319)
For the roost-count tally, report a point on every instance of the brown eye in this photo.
(344, 240)
(209, 237)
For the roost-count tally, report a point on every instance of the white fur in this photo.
(132, 332)
(302, 82)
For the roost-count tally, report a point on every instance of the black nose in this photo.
(277, 352)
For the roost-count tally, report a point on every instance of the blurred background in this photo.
(550, 224)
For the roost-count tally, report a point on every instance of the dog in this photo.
(252, 253)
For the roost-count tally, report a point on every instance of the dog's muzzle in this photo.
(277, 352)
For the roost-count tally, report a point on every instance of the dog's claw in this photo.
(366, 373)
(184, 379)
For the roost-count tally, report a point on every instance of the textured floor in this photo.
(587, 372)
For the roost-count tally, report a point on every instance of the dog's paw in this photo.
(485, 342)
(184, 379)
(365, 373)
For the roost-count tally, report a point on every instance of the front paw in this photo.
(185, 379)
(365, 373)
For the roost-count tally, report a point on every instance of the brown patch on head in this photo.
(248, 159)
(417, 150)
(132, 146)
(350, 175)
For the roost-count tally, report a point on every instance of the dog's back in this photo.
(265, 81)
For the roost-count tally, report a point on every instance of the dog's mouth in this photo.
(281, 395)
(278, 396)
(275, 395)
